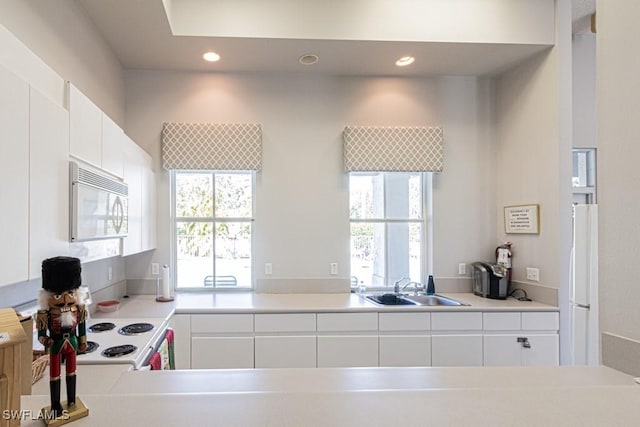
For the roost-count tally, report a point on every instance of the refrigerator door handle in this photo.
(586, 306)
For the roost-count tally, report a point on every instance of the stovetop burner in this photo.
(101, 327)
(119, 350)
(136, 328)
(91, 347)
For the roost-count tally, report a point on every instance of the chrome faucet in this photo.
(396, 284)
(417, 287)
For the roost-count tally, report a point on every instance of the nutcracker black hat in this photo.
(61, 274)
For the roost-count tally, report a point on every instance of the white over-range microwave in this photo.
(98, 206)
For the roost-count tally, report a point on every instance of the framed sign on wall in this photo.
(522, 219)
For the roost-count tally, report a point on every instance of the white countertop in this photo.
(249, 302)
(138, 306)
(560, 396)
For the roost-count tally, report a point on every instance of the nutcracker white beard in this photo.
(66, 319)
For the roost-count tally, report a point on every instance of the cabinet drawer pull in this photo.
(525, 342)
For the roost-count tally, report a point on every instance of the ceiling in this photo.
(139, 33)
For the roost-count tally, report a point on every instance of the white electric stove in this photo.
(122, 341)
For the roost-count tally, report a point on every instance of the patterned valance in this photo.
(216, 146)
(393, 149)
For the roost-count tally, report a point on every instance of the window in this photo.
(583, 179)
(213, 214)
(388, 227)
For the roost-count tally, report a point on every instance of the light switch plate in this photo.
(155, 268)
(334, 268)
(268, 268)
(533, 274)
(462, 269)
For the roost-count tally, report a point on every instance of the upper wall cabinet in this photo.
(14, 175)
(112, 146)
(48, 181)
(141, 180)
(93, 136)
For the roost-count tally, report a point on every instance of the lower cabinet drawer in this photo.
(285, 352)
(456, 350)
(405, 350)
(347, 351)
(221, 352)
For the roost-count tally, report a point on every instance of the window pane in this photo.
(194, 254)
(194, 195)
(233, 195)
(233, 254)
(404, 249)
(403, 195)
(368, 253)
(366, 195)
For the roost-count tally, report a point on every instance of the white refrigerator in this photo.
(585, 341)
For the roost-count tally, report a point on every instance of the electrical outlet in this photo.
(533, 274)
(334, 268)
(462, 269)
(155, 268)
(110, 273)
(268, 268)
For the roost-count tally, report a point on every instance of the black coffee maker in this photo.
(490, 280)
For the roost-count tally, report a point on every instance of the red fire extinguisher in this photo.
(503, 258)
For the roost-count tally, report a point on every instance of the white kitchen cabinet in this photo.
(112, 147)
(405, 350)
(140, 179)
(148, 222)
(289, 340)
(404, 339)
(285, 351)
(340, 322)
(222, 352)
(456, 350)
(521, 339)
(521, 350)
(341, 351)
(222, 341)
(48, 181)
(14, 175)
(85, 128)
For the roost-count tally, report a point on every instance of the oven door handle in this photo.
(145, 359)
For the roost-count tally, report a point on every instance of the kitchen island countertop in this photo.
(561, 396)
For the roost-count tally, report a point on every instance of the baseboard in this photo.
(621, 353)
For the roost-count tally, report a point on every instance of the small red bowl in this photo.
(108, 306)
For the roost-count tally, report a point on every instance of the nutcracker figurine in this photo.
(61, 324)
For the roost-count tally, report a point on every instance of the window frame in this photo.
(174, 220)
(426, 241)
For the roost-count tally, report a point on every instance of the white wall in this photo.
(584, 91)
(618, 91)
(61, 34)
(302, 199)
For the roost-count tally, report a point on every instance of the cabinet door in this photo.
(112, 146)
(14, 175)
(48, 181)
(456, 350)
(85, 128)
(405, 350)
(502, 350)
(347, 351)
(132, 244)
(149, 210)
(221, 352)
(285, 351)
(543, 350)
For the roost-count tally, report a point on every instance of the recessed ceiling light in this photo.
(211, 57)
(308, 59)
(405, 60)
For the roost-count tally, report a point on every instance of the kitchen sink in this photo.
(401, 299)
(432, 300)
(390, 299)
